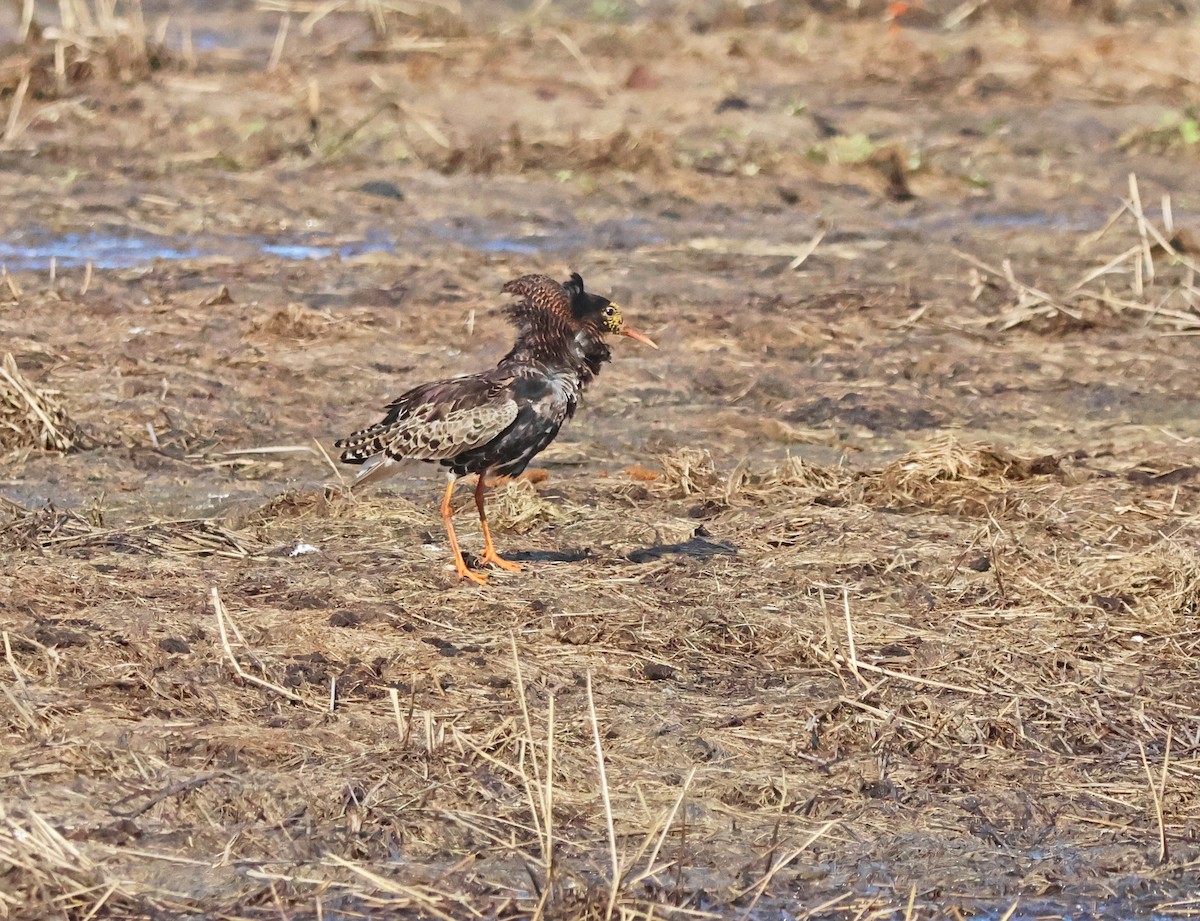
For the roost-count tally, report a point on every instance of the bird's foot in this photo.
(465, 572)
(491, 556)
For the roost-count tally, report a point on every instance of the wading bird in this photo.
(493, 423)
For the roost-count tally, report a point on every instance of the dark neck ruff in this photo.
(550, 339)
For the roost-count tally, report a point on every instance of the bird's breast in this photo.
(552, 394)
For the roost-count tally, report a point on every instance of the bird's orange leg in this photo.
(489, 549)
(460, 565)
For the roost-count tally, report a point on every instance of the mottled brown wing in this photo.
(436, 421)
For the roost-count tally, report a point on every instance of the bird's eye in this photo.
(610, 311)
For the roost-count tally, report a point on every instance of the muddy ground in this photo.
(876, 587)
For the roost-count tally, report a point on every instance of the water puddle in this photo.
(125, 248)
(214, 40)
(373, 242)
(958, 220)
(34, 252)
(122, 248)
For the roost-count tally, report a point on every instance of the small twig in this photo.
(528, 747)
(1135, 203)
(13, 287)
(1094, 238)
(1106, 268)
(426, 124)
(1162, 791)
(332, 466)
(12, 662)
(427, 901)
(830, 646)
(224, 622)
(604, 796)
(1170, 250)
(21, 709)
(1157, 793)
(101, 902)
(281, 35)
(350, 133)
(52, 436)
(961, 13)
(412, 709)
(901, 676)
(548, 798)
(808, 250)
(1031, 297)
(761, 886)
(853, 658)
(14, 108)
(662, 836)
(394, 695)
(269, 449)
(183, 786)
(524, 705)
(598, 83)
(27, 22)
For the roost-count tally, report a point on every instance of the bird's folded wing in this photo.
(430, 434)
(437, 421)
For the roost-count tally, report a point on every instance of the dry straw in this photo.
(1152, 281)
(999, 630)
(33, 418)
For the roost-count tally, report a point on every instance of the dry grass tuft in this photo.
(295, 321)
(90, 40)
(41, 871)
(797, 473)
(1158, 586)
(686, 471)
(1152, 281)
(28, 529)
(49, 528)
(427, 17)
(622, 150)
(965, 478)
(31, 418)
(516, 506)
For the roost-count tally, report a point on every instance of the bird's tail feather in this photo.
(361, 446)
(376, 469)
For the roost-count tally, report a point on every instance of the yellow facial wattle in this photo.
(612, 318)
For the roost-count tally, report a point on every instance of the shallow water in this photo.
(119, 248)
(34, 251)
(122, 248)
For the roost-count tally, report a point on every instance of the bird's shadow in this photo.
(696, 546)
(549, 556)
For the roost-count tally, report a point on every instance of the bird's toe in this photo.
(479, 578)
(496, 560)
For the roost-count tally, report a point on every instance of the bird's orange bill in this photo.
(640, 337)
